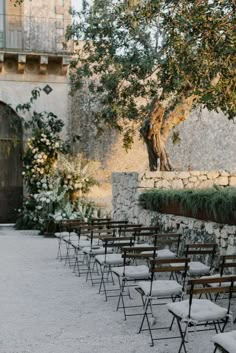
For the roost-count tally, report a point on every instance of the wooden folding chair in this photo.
(161, 290)
(202, 258)
(195, 312)
(107, 260)
(128, 275)
(167, 244)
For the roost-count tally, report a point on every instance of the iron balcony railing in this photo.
(34, 34)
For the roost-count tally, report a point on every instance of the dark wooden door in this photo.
(11, 184)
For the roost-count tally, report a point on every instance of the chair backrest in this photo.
(161, 240)
(175, 265)
(143, 233)
(204, 286)
(227, 263)
(138, 253)
(122, 229)
(117, 242)
(169, 240)
(204, 251)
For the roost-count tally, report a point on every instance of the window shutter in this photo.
(14, 25)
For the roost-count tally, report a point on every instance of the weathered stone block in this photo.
(232, 181)
(146, 183)
(183, 175)
(223, 243)
(177, 184)
(168, 175)
(224, 234)
(152, 175)
(202, 177)
(213, 174)
(224, 173)
(205, 184)
(193, 179)
(217, 233)
(195, 172)
(223, 181)
(162, 184)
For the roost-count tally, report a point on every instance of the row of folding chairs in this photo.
(133, 256)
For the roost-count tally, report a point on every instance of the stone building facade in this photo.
(32, 54)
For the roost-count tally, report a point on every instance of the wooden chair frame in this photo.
(161, 266)
(199, 287)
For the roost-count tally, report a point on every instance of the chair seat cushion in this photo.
(84, 243)
(198, 268)
(95, 250)
(110, 259)
(161, 288)
(61, 234)
(132, 272)
(71, 236)
(226, 340)
(201, 310)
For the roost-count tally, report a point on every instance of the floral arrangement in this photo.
(42, 149)
(76, 172)
(51, 174)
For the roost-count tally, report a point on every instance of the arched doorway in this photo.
(11, 183)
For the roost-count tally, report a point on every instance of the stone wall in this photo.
(207, 141)
(126, 188)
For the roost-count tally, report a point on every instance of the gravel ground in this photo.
(45, 308)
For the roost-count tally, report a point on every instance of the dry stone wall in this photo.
(126, 188)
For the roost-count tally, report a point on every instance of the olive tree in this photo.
(153, 61)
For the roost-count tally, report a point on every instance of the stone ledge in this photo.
(21, 59)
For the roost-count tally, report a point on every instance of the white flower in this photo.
(47, 200)
(23, 173)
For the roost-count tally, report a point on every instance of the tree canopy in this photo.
(153, 61)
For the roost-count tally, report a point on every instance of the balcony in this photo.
(31, 34)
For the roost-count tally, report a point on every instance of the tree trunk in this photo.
(157, 155)
(153, 157)
(155, 131)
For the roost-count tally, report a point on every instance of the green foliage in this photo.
(51, 174)
(160, 50)
(213, 202)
